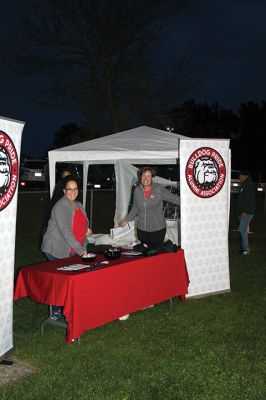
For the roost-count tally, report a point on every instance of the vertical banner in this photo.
(10, 141)
(204, 180)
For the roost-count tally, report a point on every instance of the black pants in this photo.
(152, 239)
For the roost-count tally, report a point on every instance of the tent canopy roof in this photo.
(138, 145)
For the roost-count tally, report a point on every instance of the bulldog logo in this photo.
(205, 172)
(8, 170)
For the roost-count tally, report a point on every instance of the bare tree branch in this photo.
(96, 55)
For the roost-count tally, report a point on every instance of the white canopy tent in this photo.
(142, 145)
(204, 228)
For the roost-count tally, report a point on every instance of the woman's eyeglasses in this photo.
(72, 189)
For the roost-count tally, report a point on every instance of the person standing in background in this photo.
(245, 208)
(65, 172)
(57, 192)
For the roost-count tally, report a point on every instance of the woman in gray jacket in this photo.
(148, 206)
(68, 227)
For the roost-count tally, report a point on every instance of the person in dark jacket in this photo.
(245, 208)
(148, 207)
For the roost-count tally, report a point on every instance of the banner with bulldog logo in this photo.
(205, 201)
(10, 141)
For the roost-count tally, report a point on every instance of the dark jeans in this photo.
(243, 229)
(152, 239)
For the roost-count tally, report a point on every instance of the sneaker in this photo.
(246, 252)
(124, 317)
(145, 308)
(56, 316)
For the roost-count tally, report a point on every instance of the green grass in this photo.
(206, 349)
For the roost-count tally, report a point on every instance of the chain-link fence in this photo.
(34, 207)
(33, 210)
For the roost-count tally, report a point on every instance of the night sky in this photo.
(224, 39)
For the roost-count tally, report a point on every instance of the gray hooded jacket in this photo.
(150, 210)
(58, 238)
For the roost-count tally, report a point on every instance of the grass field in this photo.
(206, 349)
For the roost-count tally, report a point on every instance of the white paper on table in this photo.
(118, 232)
(73, 267)
(132, 253)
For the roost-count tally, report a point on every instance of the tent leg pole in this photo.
(91, 208)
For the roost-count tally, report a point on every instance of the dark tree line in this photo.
(246, 129)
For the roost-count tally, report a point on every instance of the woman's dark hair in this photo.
(61, 185)
(145, 169)
(244, 172)
(69, 178)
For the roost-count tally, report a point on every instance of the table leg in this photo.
(49, 320)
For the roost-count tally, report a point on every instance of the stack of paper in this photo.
(132, 253)
(118, 232)
(72, 267)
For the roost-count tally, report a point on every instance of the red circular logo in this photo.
(205, 172)
(8, 170)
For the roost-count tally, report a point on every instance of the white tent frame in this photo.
(142, 145)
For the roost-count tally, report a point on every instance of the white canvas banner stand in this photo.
(10, 141)
(204, 180)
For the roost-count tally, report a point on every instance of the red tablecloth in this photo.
(91, 299)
